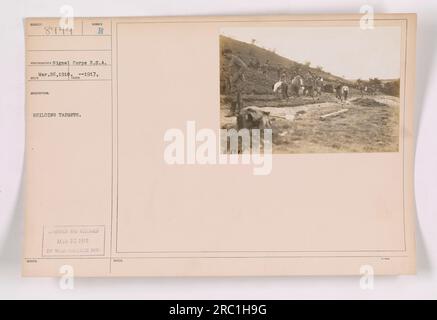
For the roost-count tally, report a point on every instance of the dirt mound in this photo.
(368, 102)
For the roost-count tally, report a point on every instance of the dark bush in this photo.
(391, 88)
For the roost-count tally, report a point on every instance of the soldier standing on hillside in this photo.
(309, 84)
(233, 72)
(338, 90)
(318, 86)
(284, 87)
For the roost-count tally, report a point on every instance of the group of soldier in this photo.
(233, 75)
(309, 85)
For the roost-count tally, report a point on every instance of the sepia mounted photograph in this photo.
(319, 89)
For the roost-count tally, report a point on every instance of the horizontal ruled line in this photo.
(69, 35)
(70, 80)
(70, 50)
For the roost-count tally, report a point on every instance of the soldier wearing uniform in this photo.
(233, 73)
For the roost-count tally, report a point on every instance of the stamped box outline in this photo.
(76, 255)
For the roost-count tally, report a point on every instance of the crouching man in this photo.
(253, 118)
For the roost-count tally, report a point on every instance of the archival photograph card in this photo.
(220, 146)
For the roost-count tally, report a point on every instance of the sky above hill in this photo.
(349, 52)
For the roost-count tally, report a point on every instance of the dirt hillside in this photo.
(265, 66)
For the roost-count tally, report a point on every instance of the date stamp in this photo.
(73, 241)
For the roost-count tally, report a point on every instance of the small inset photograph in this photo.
(319, 89)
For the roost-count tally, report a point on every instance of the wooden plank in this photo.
(333, 114)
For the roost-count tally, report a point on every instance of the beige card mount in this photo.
(220, 146)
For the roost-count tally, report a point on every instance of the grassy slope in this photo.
(259, 83)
